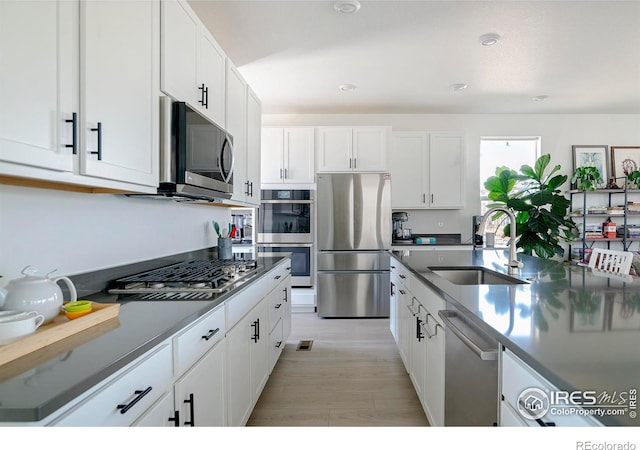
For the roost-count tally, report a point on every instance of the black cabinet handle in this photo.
(277, 277)
(74, 130)
(192, 422)
(211, 334)
(246, 190)
(278, 344)
(393, 289)
(286, 294)
(419, 335)
(139, 395)
(206, 97)
(251, 192)
(256, 330)
(201, 88)
(99, 130)
(278, 306)
(401, 291)
(175, 419)
(403, 277)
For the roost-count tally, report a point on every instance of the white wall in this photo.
(558, 132)
(75, 232)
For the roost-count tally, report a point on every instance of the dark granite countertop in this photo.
(578, 329)
(30, 391)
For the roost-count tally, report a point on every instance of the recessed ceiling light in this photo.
(540, 98)
(347, 87)
(489, 39)
(459, 86)
(347, 6)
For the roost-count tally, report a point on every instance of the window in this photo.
(511, 152)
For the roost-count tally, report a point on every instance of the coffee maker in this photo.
(400, 235)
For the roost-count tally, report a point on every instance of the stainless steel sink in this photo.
(473, 276)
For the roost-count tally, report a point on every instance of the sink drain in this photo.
(304, 345)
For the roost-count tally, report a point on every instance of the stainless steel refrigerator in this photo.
(354, 239)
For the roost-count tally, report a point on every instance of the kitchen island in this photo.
(577, 329)
(30, 393)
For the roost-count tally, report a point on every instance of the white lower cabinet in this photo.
(247, 364)
(126, 397)
(420, 339)
(516, 378)
(200, 393)
(161, 414)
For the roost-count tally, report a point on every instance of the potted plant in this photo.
(540, 209)
(586, 178)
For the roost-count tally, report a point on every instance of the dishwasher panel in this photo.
(471, 373)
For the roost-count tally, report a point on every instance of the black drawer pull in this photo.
(403, 277)
(191, 422)
(175, 419)
(277, 277)
(139, 394)
(278, 306)
(286, 294)
(74, 131)
(401, 291)
(99, 130)
(256, 330)
(278, 344)
(201, 88)
(211, 334)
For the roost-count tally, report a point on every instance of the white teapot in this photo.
(33, 293)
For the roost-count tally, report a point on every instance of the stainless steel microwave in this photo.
(196, 157)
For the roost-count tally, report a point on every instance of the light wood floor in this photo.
(352, 376)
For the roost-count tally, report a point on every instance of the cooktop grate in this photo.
(192, 271)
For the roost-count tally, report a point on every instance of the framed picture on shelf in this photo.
(592, 156)
(624, 160)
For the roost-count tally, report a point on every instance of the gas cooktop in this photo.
(188, 280)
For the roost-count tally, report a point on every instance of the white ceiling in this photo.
(403, 56)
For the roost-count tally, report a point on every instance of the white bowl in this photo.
(15, 326)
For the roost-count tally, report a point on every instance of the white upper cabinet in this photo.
(39, 83)
(254, 132)
(192, 63)
(427, 170)
(352, 149)
(244, 121)
(119, 95)
(409, 166)
(236, 118)
(82, 82)
(287, 155)
(446, 170)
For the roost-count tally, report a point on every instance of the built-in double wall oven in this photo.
(285, 225)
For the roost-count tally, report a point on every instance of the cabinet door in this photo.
(370, 148)
(299, 155)
(120, 52)
(179, 38)
(39, 42)
(254, 127)
(408, 161)
(200, 393)
(404, 325)
(238, 369)
(434, 374)
(259, 349)
(271, 170)
(161, 414)
(211, 69)
(236, 118)
(446, 170)
(334, 149)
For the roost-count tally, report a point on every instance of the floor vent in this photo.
(304, 346)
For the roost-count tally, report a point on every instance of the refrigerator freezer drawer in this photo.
(353, 294)
(353, 261)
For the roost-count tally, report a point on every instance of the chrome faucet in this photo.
(513, 264)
